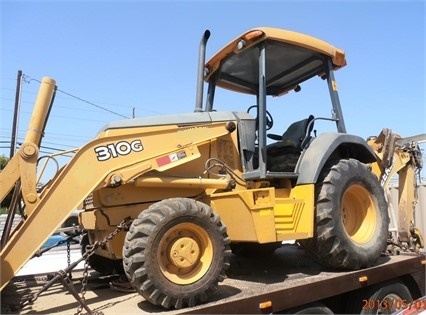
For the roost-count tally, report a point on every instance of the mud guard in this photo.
(331, 146)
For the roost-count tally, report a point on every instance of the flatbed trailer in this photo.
(286, 282)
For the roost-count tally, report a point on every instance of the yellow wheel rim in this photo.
(185, 253)
(359, 214)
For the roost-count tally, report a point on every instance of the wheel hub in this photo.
(358, 214)
(184, 252)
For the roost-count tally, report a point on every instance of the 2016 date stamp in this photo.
(393, 304)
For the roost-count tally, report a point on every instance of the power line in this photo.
(93, 104)
(28, 79)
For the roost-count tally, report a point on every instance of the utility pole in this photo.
(16, 113)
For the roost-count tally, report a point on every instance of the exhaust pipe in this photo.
(200, 79)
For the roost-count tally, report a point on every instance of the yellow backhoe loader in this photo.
(200, 185)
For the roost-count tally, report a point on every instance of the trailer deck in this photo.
(254, 285)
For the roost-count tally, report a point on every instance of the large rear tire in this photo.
(351, 217)
(176, 252)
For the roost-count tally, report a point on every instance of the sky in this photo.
(111, 59)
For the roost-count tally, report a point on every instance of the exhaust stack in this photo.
(200, 78)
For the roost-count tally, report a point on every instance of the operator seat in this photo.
(283, 155)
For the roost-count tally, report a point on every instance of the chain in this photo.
(39, 253)
(90, 250)
(69, 256)
(84, 286)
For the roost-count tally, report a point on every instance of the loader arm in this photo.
(400, 156)
(115, 157)
(23, 164)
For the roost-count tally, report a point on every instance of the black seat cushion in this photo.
(293, 136)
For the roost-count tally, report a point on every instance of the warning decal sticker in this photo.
(164, 160)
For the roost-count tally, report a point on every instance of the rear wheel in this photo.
(351, 217)
(176, 252)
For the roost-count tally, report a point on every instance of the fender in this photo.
(331, 146)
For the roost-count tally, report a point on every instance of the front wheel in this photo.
(176, 252)
(351, 217)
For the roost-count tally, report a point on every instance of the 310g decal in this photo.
(113, 150)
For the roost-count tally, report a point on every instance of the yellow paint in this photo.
(358, 212)
(294, 216)
(266, 217)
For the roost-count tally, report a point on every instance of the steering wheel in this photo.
(269, 119)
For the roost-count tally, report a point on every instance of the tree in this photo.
(3, 161)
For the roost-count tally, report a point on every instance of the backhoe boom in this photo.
(402, 157)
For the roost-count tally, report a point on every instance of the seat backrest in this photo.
(297, 132)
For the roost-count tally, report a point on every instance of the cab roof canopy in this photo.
(291, 58)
